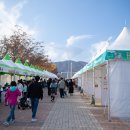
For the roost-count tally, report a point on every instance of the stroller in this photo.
(24, 103)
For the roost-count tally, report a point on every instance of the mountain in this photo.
(68, 68)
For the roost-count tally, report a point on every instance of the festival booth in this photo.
(4, 69)
(33, 69)
(108, 77)
(25, 71)
(14, 71)
(89, 83)
(111, 84)
(30, 70)
(49, 75)
(8, 74)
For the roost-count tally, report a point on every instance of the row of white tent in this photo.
(107, 77)
(7, 66)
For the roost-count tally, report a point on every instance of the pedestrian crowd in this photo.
(26, 94)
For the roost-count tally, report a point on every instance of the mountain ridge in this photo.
(68, 68)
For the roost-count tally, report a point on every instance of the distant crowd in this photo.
(25, 94)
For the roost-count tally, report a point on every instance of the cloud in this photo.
(98, 48)
(15, 10)
(10, 18)
(58, 52)
(71, 53)
(72, 39)
(52, 51)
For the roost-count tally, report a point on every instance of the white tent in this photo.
(108, 76)
(24, 70)
(8, 69)
(120, 78)
(4, 68)
(122, 42)
(49, 75)
(13, 68)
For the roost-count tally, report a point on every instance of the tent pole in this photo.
(94, 82)
(87, 82)
(108, 86)
(0, 80)
(81, 80)
(14, 77)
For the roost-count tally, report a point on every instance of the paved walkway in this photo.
(71, 113)
(23, 117)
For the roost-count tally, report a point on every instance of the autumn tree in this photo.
(21, 45)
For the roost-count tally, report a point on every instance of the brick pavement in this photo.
(71, 113)
(115, 124)
(23, 117)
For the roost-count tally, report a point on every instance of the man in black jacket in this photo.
(35, 93)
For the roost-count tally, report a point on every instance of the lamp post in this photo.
(68, 70)
(71, 69)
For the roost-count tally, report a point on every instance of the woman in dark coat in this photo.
(71, 88)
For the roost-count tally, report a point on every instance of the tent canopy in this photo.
(108, 55)
(122, 42)
(7, 66)
(12, 67)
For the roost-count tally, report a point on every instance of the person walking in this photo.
(48, 86)
(20, 87)
(35, 92)
(53, 87)
(42, 83)
(11, 96)
(71, 87)
(61, 87)
(25, 87)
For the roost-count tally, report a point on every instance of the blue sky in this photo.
(70, 29)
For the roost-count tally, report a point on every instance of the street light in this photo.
(71, 69)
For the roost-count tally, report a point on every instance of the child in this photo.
(11, 96)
